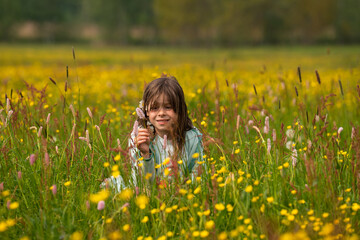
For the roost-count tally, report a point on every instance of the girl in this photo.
(166, 142)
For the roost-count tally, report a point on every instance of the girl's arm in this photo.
(146, 161)
(194, 148)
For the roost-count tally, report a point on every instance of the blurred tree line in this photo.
(186, 22)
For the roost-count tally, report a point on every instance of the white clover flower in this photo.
(290, 133)
(294, 157)
(289, 145)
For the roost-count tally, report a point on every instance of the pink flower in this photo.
(266, 127)
(19, 174)
(352, 132)
(268, 145)
(136, 128)
(340, 130)
(237, 122)
(294, 157)
(39, 132)
(140, 113)
(89, 112)
(54, 189)
(2, 186)
(32, 159)
(274, 135)
(47, 159)
(101, 205)
(48, 119)
(87, 203)
(125, 206)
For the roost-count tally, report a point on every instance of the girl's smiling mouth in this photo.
(162, 121)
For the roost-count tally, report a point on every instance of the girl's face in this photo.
(162, 116)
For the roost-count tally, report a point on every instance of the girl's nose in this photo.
(161, 111)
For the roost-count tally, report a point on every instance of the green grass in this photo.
(109, 81)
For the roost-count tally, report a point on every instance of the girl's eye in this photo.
(168, 107)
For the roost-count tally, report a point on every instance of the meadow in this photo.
(281, 138)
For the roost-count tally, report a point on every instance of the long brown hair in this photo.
(171, 88)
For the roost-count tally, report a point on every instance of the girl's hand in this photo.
(142, 142)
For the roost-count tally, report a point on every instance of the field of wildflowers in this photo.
(281, 143)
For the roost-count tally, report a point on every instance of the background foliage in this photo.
(210, 22)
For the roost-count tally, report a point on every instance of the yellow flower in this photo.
(207, 212)
(115, 168)
(294, 212)
(204, 234)
(106, 164)
(355, 207)
(10, 222)
(197, 190)
(270, 199)
(247, 221)
(190, 196)
(115, 174)
(291, 217)
(229, 208)
(67, 183)
(126, 227)
(145, 219)
(182, 191)
(222, 236)
(117, 158)
(283, 212)
(163, 206)
(14, 205)
(195, 155)
(109, 220)
(170, 234)
(286, 165)
(76, 236)
(5, 193)
(219, 206)
(100, 196)
(209, 225)
(262, 208)
(248, 189)
(163, 237)
(196, 233)
(237, 151)
(115, 235)
(141, 201)
(166, 161)
(3, 226)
